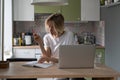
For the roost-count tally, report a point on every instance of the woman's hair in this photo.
(57, 21)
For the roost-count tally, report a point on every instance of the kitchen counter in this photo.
(27, 47)
(100, 47)
(37, 46)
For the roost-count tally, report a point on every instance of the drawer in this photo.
(38, 51)
(38, 56)
(24, 53)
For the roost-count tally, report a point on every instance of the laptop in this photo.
(76, 56)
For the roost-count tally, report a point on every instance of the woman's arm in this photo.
(45, 51)
(54, 60)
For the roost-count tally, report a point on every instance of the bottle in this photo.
(106, 2)
(20, 40)
(23, 39)
(28, 38)
(76, 38)
(15, 40)
(102, 2)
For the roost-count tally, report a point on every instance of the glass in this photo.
(98, 57)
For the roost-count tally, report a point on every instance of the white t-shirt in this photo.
(66, 39)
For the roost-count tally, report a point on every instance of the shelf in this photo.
(112, 4)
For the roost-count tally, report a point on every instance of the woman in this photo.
(55, 37)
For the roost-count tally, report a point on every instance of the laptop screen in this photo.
(76, 56)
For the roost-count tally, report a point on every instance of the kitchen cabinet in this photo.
(72, 11)
(23, 10)
(38, 53)
(78, 10)
(82, 10)
(27, 52)
(24, 53)
(90, 10)
(47, 9)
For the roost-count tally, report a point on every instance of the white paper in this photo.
(36, 64)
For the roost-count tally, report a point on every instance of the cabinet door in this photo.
(38, 53)
(90, 10)
(24, 53)
(71, 12)
(47, 9)
(23, 10)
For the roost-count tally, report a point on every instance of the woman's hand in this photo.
(48, 59)
(37, 38)
(43, 59)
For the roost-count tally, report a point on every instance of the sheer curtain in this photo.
(7, 28)
(0, 33)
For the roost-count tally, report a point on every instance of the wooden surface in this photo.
(27, 47)
(16, 70)
(37, 46)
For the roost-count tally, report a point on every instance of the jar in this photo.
(15, 40)
(116, 0)
(28, 38)
(109, 1)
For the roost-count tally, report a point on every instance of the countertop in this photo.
(27, 47)
(37, 47)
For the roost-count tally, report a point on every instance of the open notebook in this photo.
(36, 64)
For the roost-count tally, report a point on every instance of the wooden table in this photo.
(16, 70)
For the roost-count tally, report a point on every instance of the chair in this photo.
(22, 60)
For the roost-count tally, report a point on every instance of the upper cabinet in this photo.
(47, 9)
(23, 10)
(90, 10)
(77, 10)
(72, 11)
(82, 10)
